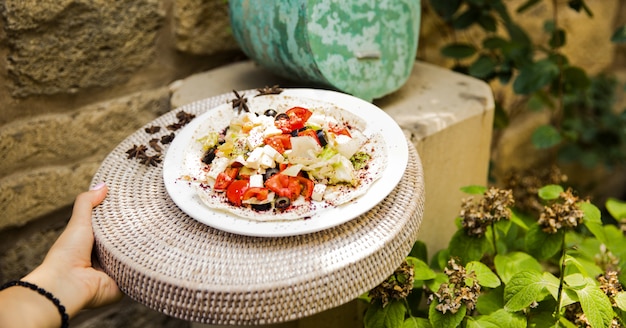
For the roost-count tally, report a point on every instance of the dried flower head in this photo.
(525, 185)
(574, 313)
(610, 285)
(563, 213)
(462, 288)
(493, 207)
(397, 286)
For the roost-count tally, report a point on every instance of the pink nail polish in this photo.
(98, 186)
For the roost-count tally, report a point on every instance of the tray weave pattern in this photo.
(174, 264)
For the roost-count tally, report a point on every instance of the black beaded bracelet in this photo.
(64, 317)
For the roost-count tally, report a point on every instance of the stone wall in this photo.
(78, 76)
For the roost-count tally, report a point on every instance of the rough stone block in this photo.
(62, 138)
(49, 160)
(63, 46)
(202, 27)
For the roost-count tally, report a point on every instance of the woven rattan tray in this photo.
(171, 263)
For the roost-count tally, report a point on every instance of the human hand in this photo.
(67, 270)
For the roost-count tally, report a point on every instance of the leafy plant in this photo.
(584, 125)
(504, 268)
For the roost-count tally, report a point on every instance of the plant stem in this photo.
(493, 236)
(561, 280)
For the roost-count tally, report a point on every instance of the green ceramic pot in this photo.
(365, 48)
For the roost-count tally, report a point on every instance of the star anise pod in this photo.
(174, 126)
(167, 138)
(153, 129)
(154, 143)
(151, 160)
(240, 103)
(273, 90)
(136, 151)
(184, 117)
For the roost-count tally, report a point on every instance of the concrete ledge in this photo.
(447, 116)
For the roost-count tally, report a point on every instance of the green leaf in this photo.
(619, 36)
(482, 67)
(416, 322)
(446, 9)
(419, 251)
(487, 22)
(620, 300)
(436, 283)
(508, 265)
(467, 18)
(543, 245)
(494, 42)
(474, 189)
(458, 50)
(578, 5)
(550, 192)
(575, 79)
(535, 76)
(552, 286)
(498, 319)
(421, 270)
(616, 208)
(517, 220)
(586, 267)
(447, 320)
(484, 275)
(523, 289)
(490, 300)
(546, 136)
(596, 305)
(467, 248)
(526, 5)
(557, 39)
(391, 316)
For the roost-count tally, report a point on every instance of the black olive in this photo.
(322, 138)
(270, 173)
(282, 203)
(270, 112)
(261, 207)
(281, 116)
(209, 155)
(295, 133)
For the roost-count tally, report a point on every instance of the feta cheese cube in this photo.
(271, 131)
(266, 161)
(218, 166)
(318, 192)
(254, 159)
(273, 153)
(255, 138)
(256, 180)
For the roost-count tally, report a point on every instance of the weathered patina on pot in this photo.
(365, 48)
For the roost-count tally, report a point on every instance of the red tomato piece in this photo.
(337, 129)
(279, 142)
(225, 178)
(283, 123)
(298, 117)
(235, 191)
(284, 186)
(311, 133)
(307, 187)
(255, 192)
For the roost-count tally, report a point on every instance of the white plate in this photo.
(184, 195)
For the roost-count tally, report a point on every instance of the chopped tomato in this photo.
(283, 123)
(282, 166)
(255, 192)
(298, 117)
(311, 133)
(236, 190)
(307, 187)
(284, 186)
(279, 142)
(225, 178)
(339, 129)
